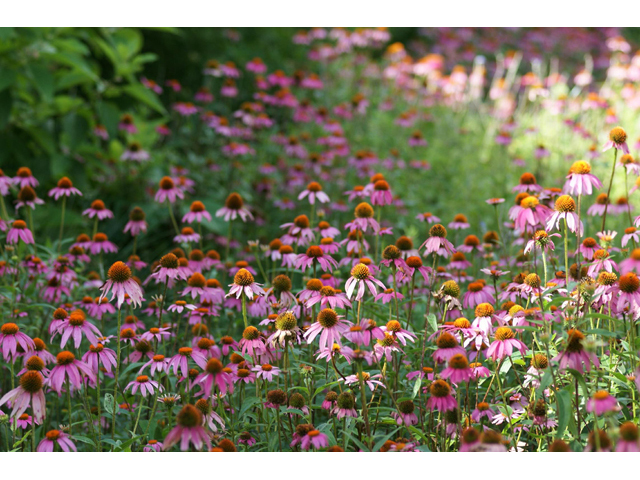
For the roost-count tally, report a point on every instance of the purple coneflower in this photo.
(53, 437)
(136, 223)
(168, 191)
(458, 369)
(580, 181)
(361, 277)
(617, 140)
(602, 402)
(10, 338)
(437, 242)
(188, 430)
(29, 391)
(69, 369)
(234, 206)
(145, 385)
(441, 398)
(19, 231)
(330, 326)
(64, 188)
(121, 283)
(504, 344)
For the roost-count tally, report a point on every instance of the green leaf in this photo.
(44, 81)
(75, 62)
(76, 127)
(7, 78)
(6, 102)
(146, 96)
(108, 404)
(247, 404)
(6, 33)
(416, 387)
(380, 442)
(433, 323)
(84, 439)
(564, 400)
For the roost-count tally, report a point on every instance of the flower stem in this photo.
(244, 310)
(115, 383)
(173, 218)
(228, 246)
(164, 296)
(613, 171)
(566, 250)
(33, 430)
(64, 204)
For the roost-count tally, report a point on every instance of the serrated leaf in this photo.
(146, 96)
(433, 323)
(416, 387)
(564, 401)
(108, 404)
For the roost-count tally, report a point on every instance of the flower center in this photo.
(629, 282)
(391, 252)
(504, 333)
(9, 329)
(314, 187)
(459, 362)
(618, 135)
(565, 203)
(446, 340)
(394, 326)
(346, 401)
(286, 321)
(527, 179)
(360, 271)
(327, 291)
(580, 167)
(438, 231)
(243, 278)
(214, 366)
(314, 251)
(328, 318)
(530, 202)
(381, 185)
(484, 310)
(31, 381)
(251, 333)
(363, 210)
(414, 262)
(189, 416)
(65, 358)
(166, 183)
(76, 319)
(440, 389)
(65, 183)
(197, 280)
(53, 435)
(462, 323)
(35, 363)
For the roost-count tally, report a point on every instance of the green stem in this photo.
(226, 250)
(244, 310)
(64, 204)
(115, 383)
(33, 430)
(135, 426)
(173, 218)
(566, 250)
(613, 171)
